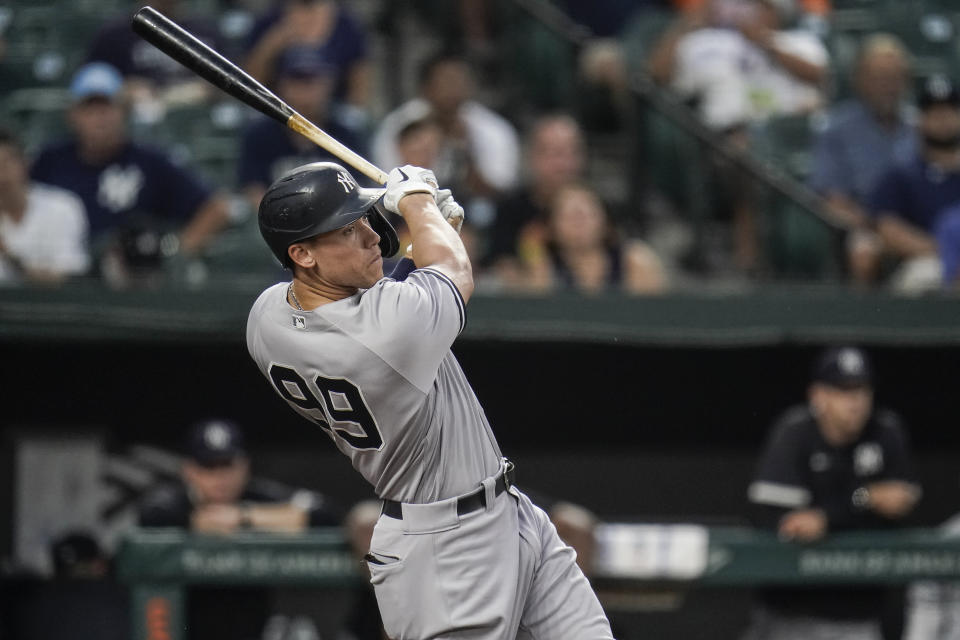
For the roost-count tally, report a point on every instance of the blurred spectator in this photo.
(154, 80)
(948, 242)
(863, 138)
(479, 158)
(579, 249)
(325, 25)
(740, 63)
(909, 198)
(835, 464)
(555, 156)
(576, 526)
(268, 149)
(120, 182)
(814, 7)
(216, 495)
(43, 229)
(420, 144)
(78, 556)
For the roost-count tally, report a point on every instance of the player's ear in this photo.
(301, 255)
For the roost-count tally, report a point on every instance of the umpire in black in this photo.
(833, 464)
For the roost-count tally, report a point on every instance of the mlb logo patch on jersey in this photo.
(299, 322)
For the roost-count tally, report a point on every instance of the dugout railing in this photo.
(158, 565)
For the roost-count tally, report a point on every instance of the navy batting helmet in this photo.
(314, 199)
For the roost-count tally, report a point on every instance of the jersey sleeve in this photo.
(780, 484)
(416, 322)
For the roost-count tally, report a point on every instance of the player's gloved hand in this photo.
(450, 208)
(405, 180)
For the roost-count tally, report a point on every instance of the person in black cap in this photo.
(217, 496)
(833, 464)
(909, 199)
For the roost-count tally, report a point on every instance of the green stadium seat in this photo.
(798, 245)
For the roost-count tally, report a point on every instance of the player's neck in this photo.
(304, 295)
(97, 154)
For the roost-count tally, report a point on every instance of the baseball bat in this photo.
(185, 48)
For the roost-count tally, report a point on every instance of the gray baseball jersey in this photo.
(375, 371)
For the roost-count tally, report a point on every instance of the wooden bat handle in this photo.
(324, 140)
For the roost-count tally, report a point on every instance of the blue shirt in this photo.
(916, 193)
(948, 241)
(137, 180)
(267, 151)
(345, 45)
(854, 150)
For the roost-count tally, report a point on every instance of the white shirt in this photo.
(51, 236)
(737, 82)
(494, 145)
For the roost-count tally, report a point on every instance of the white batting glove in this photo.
(450, 208)
(405, 180)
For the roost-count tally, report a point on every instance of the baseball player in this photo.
(458, 550)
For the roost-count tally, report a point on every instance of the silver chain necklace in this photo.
(293, 296)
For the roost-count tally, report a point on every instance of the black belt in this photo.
(465, 504)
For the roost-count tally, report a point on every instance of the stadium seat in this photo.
(798, 245)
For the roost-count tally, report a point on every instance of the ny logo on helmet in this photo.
(346, 181)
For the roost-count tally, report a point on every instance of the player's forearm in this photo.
(280, 517)
(904, 239)
(435, 242)
(261, 57)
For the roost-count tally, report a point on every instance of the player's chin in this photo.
(374, 271)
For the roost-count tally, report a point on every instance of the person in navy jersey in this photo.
(324, 25)
(268, 149)
(948, 240)
(119, 181)
(836, 463)
(909, 199)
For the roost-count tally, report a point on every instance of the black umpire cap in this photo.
(213, 443)
(938, 89)
(843, 368)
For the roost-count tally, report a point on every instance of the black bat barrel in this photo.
(185, 48)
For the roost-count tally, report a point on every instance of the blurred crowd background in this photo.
(612, 148)
(635, 146)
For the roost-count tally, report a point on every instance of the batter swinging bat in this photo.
(182, 46)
